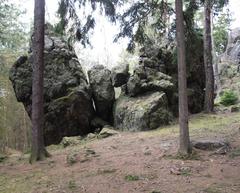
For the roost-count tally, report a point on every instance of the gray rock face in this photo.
(103, 91)
(120, 75)
(147, 79)
(68, 106)
(143, 104)
(141, 113)
(233, 47)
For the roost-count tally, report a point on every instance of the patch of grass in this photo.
(72, 185)
(131, 178)
(154, 191)
(235, 153)
(211, 190)
(20, 183)
(200, 125)
(186, 172)
(72, 158)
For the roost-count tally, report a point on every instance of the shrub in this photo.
(228, 98)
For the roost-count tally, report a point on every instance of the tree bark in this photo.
(209, 88)
(38, 150)
(185, 147)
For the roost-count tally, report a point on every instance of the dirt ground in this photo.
(133, 163)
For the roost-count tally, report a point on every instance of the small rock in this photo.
(234, 108)
(223, 150)
(70, 141)
(209, 144)
(107, 131)
(91, 136)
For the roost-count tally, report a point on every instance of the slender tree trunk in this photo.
(185, 147)
(38, 150)
(209, 88)
(215, 59)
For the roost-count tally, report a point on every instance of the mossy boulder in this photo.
(103, 91)
(141, 113)
(147, 79)
(68, 108)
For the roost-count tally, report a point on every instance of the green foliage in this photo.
(228, 98)
(185, 171)
(220, 32)
(72, 185)
(79, 28)
(131, 178)
(12, 32)
(142, 17)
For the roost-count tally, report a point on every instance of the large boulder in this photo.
(141, 113)
(120, 75)
(147, 79)
(163, 58)
(103, 91)
(228, 66)
(232, 53)
(68, 108)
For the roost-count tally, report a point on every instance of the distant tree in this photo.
(14, 123)
(12, 31)
(38, 151)
(210, 6)
(220, 32)
(185, 147)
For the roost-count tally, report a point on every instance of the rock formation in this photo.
(229, 66)
(68, 105)
(141, 113)
(120, 75)
(143, 104)
(163, 60)
(73, 106)
(103, 91)
(232, 53)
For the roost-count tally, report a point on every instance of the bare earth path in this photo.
(133, 162)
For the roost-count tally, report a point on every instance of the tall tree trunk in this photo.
(185, 147)
(38, 150)
(209, 88)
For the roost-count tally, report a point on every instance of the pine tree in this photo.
(185, 147)
(208, 63)
(38, 150)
